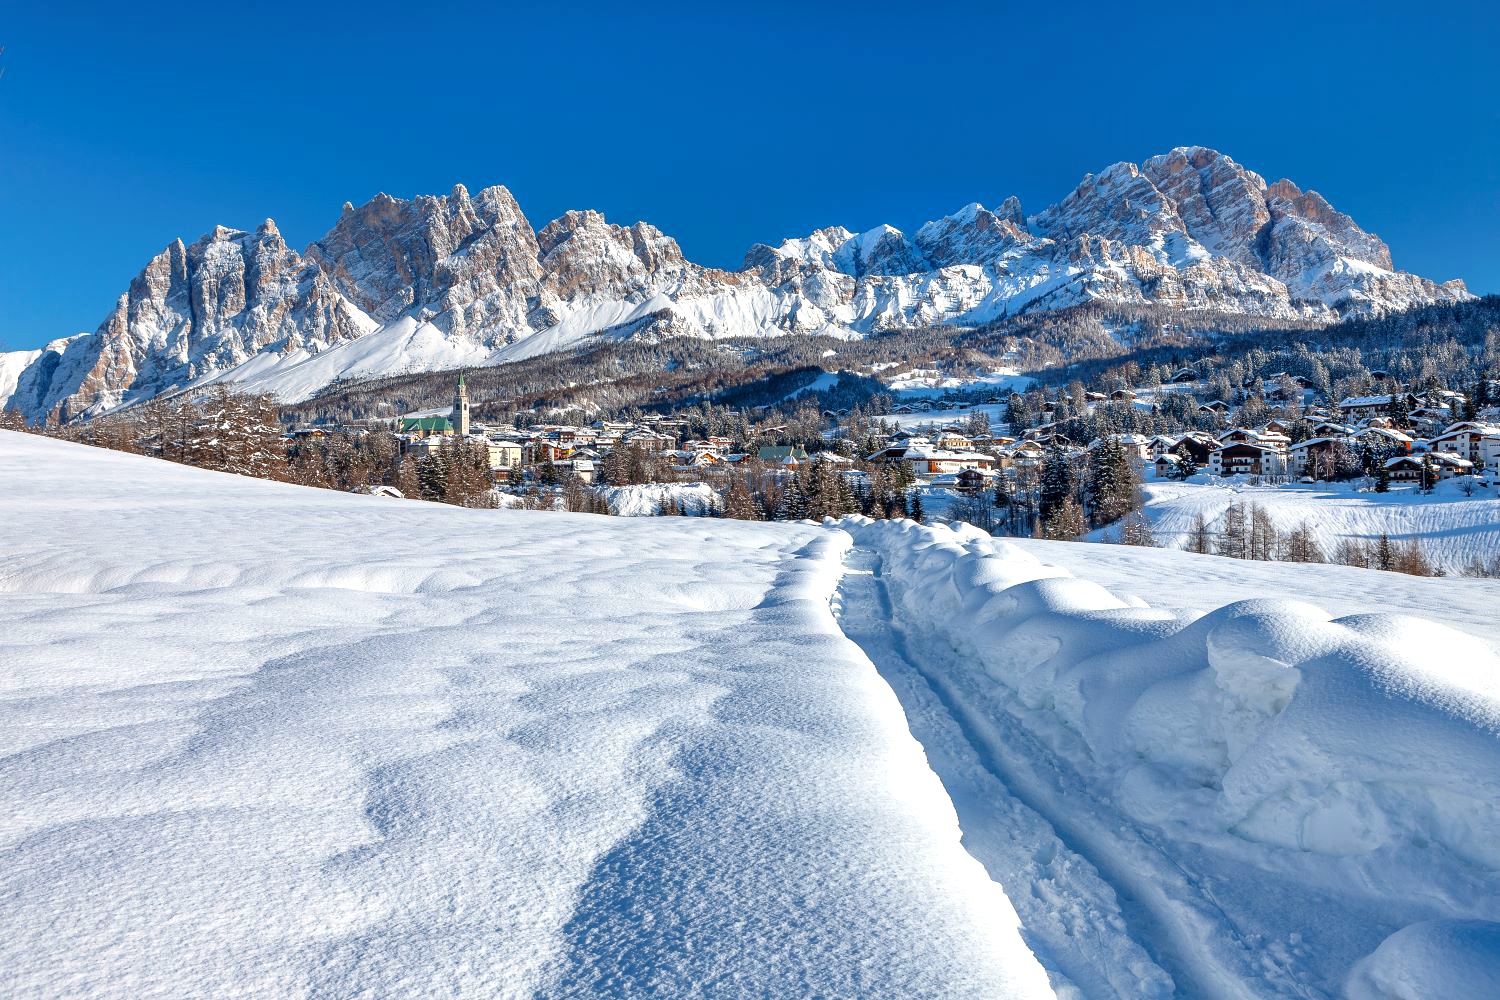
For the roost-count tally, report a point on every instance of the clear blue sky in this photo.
(125, 128)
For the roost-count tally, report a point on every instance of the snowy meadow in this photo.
(265, 740)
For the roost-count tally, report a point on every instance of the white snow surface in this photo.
(1192, 585)
(1453, 529)
(1262, 801)
(269, 741)
(260, 740)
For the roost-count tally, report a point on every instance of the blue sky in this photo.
(122, 129)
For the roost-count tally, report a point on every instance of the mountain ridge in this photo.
(452, 280)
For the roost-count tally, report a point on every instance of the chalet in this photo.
(1166, 465)
(954, 439)
(974, 480)
(1198, 446)
(1216, 407)
(1122, 396)
(932, 461)
(647, 440)
(1243, 458)
(1408, 468)
(1355, 407)
(504, 455)
(1313, 456)
(1265, 439)
(1185, 376)
(1384, 437)
(1470, 439)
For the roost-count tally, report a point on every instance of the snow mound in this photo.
(1334, 753)
(1431, 960)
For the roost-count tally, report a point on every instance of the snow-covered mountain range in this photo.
(447, 281)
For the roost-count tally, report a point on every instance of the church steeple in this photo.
(461, 408)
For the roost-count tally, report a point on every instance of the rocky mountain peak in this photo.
(468, 277)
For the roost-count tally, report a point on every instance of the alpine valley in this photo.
(463, 280)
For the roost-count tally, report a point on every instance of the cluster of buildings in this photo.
(567, 448)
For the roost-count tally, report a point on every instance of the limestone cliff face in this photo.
(461, 279)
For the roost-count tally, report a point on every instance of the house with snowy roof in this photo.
(1408, 468)
(1471, 439)
(1247, 458)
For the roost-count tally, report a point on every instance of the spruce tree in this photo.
(1429, 473)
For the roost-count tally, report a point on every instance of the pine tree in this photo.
(1385, 553)
(1382, 479)
(917, 514)
(739, 502)
(1067, 522)
(1057, 482)
(1137, 531)
(1429, 473)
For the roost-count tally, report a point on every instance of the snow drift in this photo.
(1312, 770)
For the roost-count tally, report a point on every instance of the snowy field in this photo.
(1453, 529)
(260, 740)
(934, 420)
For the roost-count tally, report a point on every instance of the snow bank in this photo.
(1357, 758)
(1436, 958)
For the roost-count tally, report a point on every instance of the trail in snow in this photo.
(1242, 806)
(1070, 916)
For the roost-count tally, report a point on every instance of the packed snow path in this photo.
(266, 741)
(1260, 803)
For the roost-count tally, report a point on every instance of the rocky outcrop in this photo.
(461, 279)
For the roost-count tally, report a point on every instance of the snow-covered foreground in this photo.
(1193, 585)
(268, 741)
(1260, 802)
(260, 740)
(1453, 529)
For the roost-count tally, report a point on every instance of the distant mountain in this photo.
(458, 280)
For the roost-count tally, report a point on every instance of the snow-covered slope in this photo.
(1453, 529)
(264, 741)
(1190, 229)
(1261, 801)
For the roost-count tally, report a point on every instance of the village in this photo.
(948, 444)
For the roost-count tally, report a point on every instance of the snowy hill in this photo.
(433, 282)
(265, 740)
(260, 740)
(1453, 529)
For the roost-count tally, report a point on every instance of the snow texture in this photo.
(1260, 797)
(1452, 528)
(261, 740)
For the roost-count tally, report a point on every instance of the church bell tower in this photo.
(461, 409)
